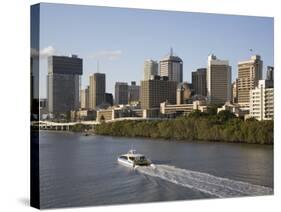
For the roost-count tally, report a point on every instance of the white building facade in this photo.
(262, 101)
(150, 69)
(171, 67)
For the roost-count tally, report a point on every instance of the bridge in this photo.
(65, 126)
(49, 125)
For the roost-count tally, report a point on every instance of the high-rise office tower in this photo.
(249, 74)
(199, 81)
(172, 67)
(63, 83)
(133, 92)
(218, 80)
(97, 90)
(150, 69)
(270, 73)
(157, 90)
(84, 98)
(121, 93)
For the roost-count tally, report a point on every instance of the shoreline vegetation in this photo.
(197, 126)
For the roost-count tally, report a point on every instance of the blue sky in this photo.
(121, 39)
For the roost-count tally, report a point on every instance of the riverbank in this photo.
(197, 126)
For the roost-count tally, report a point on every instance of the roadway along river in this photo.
(77, 170)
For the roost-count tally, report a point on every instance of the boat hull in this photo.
(132, 164)
(125, 163)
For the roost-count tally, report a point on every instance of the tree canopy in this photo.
(224, 126)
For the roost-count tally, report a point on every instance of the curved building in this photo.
(184, 93)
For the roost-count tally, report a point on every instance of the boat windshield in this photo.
(142, 158)
(132, 158)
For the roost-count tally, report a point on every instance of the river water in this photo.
(77, 170)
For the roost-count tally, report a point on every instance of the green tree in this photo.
(225, 115)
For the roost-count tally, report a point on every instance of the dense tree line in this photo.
(196, 126)
(79, 128)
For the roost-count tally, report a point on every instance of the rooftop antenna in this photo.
(211, 52)
(171, 51)
(253, 52)
(98, 67)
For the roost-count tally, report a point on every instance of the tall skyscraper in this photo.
(84, 98)
(156, 91)
(63, 83)
(199, 81)
(262, 101)
(121, 93)
(133, 92)
(218, 80)
(270, 73)
(97, 90)
(150, 69)
(172, 67)
(249, 74)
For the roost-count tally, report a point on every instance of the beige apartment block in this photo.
(249, 74)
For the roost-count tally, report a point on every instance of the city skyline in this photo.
(121, 51)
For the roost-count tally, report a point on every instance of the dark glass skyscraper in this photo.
(199, 81)
(109, 98)
(121, 93)
(63, 83)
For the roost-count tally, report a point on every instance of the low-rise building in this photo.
(105, 114)
(113, 113)
(171, 111)
(236, 109)
(151, 113)
(82, 115)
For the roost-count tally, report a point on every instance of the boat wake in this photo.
(215, 186)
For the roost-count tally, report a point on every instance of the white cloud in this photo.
(48, 51)
(44, 53)
(107, 54)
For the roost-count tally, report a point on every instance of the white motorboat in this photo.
(134, 159)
